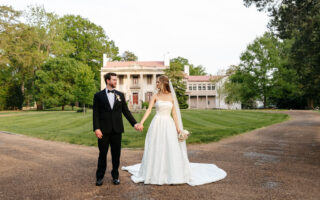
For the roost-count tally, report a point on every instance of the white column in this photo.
(189, 101)
(207, 101)
(197, 101)
(141, 89)
(154, 82)
(128, 80)
(154, 79)
(118, 83)
(128, 83)
(102, 82)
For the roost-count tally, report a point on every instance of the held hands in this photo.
(138, 127)
(98, 133)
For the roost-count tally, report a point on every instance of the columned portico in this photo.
(136, 79)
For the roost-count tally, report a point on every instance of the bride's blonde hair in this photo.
(164, 84)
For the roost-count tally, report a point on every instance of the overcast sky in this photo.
(212, 33)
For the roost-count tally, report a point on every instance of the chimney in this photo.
(186, 69)
(105, 60)
(167, 59)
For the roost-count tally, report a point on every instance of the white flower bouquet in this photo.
(183, 135)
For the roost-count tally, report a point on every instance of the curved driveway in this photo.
(281, 161)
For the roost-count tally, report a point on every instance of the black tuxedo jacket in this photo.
(110, 120)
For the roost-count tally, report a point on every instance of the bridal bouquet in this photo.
(183, 135)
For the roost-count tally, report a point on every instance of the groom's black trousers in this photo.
(114, 140)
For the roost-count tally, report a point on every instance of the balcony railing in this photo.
(135, 86)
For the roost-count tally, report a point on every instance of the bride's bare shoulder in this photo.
(154, 97)
(171, 99)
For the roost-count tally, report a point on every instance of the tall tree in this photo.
(26, 46)
(90, 42)
(55, 82)
(176, 76)
(260, 75)
(9, 20)
(239, 88)
(48, 39)
(84, 85)
(299, 21)
(17, 52)
(193, 70)
(129, 56)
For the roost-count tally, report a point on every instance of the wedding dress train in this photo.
(165, 159)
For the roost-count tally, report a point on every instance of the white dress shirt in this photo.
(111, 97)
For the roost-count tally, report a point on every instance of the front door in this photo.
(135, 98)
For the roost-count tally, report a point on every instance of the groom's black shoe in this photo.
(99, 182)
(116, 181)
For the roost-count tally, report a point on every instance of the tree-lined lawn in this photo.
(205, 125)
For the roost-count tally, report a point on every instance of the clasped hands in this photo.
(138, 127)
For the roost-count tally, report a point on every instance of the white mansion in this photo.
(137, 80)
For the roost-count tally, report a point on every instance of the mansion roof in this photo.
(155, 65)
(205, 78)
(135, 63)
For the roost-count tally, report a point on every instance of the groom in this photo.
(108, 106)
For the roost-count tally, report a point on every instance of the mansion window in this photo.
(149, 79)
(204, 87)
(213, 87)
(194, 87)
(148, 96)
(120, 79)
(190, 87)
(199, 87)
(135, 80)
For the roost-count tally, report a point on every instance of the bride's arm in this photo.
(147, 113)
(175, 118)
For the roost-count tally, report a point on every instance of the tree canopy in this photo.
(298, 21)
(180, 62)
(35, 38)
(263, 75)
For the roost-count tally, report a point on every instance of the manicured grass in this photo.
(205, 125)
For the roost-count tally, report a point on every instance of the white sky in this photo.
(211, 33)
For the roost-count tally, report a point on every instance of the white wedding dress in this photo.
(165, 159)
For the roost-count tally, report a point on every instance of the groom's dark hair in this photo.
(107, 76)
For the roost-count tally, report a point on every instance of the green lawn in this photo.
(205, 125)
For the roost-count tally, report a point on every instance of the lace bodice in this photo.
(163, 108)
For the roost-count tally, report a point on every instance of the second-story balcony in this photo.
(201, 92)
(135, 86)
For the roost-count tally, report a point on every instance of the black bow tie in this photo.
(111, 91)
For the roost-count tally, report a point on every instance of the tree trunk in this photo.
(22, 88)
(264, 102)
(84, 108)
(28, 102)
(39, 106)
(62, 107)
(310, 103)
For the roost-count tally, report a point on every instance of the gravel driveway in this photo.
(281, 161)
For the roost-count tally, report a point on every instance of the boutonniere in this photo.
(118, 97)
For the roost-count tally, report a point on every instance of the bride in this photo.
(165, 158)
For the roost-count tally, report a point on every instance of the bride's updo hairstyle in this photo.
(164, 84)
